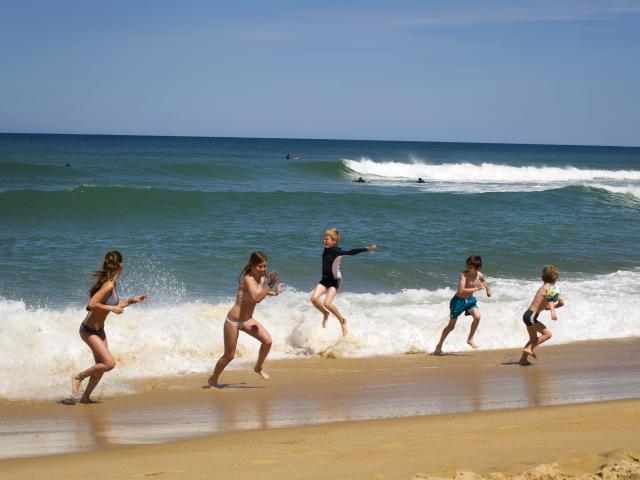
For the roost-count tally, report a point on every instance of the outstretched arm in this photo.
(133, 299)
(356, 251)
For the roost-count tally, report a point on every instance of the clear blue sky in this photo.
(552, 71)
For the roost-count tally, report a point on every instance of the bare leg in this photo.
(526, 351)
(445, 333)
(328, 303)
(545, 335)
(315, 300)
(104, 363)
(535, 340)
(475, 313)
(230, 334)
(257, 331)
(75, 385)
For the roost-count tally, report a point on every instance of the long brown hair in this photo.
(110, 267)
(256, 258)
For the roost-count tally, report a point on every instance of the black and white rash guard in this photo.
(331, 258)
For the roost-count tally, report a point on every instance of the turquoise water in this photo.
(186, 212)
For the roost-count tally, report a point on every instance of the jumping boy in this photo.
(331, 276)
(471, 281)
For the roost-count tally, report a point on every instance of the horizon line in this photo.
(322, 139)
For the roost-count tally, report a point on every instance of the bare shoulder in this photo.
(248, 280)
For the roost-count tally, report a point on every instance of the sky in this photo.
(556, 72)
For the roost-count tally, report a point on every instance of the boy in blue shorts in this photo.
(471, 281)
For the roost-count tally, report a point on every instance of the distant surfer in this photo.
(420, 180)
(360, 180)
(293, 157)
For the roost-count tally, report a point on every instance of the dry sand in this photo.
(520, 418)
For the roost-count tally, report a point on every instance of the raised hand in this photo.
(273, 277)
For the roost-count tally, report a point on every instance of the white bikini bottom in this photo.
(238, 325)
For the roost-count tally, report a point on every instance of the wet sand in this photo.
(553, 441)
(323, 390)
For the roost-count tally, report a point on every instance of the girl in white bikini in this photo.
(103, 300)
(253, 288)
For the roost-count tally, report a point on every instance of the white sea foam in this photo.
(633, 190)
(488, 177)
(41, 348)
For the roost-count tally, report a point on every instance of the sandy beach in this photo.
(386, 417)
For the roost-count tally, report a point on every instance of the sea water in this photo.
(187, 212)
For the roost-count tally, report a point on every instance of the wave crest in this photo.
(485, 172)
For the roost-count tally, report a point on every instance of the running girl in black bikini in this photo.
(104, 299)
(253, 288)
(331, 276)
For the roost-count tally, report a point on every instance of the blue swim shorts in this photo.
(458, 305)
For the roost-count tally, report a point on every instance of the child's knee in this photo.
(109, 365)
(328, 305)
(267, 340)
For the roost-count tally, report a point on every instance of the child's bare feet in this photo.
(75, 385)
(472, 344)
(345, 327)
(529, 351)
(525, 362)
(265, 376)
(212, 383)
(325, 319)
(438, 351)
(87, 400)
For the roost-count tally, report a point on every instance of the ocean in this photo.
(187, 212)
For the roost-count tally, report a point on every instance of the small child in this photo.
(539, 303)
(331, 276)
(471, 280)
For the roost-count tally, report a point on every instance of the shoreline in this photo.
(324, 391)
(555, 441)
